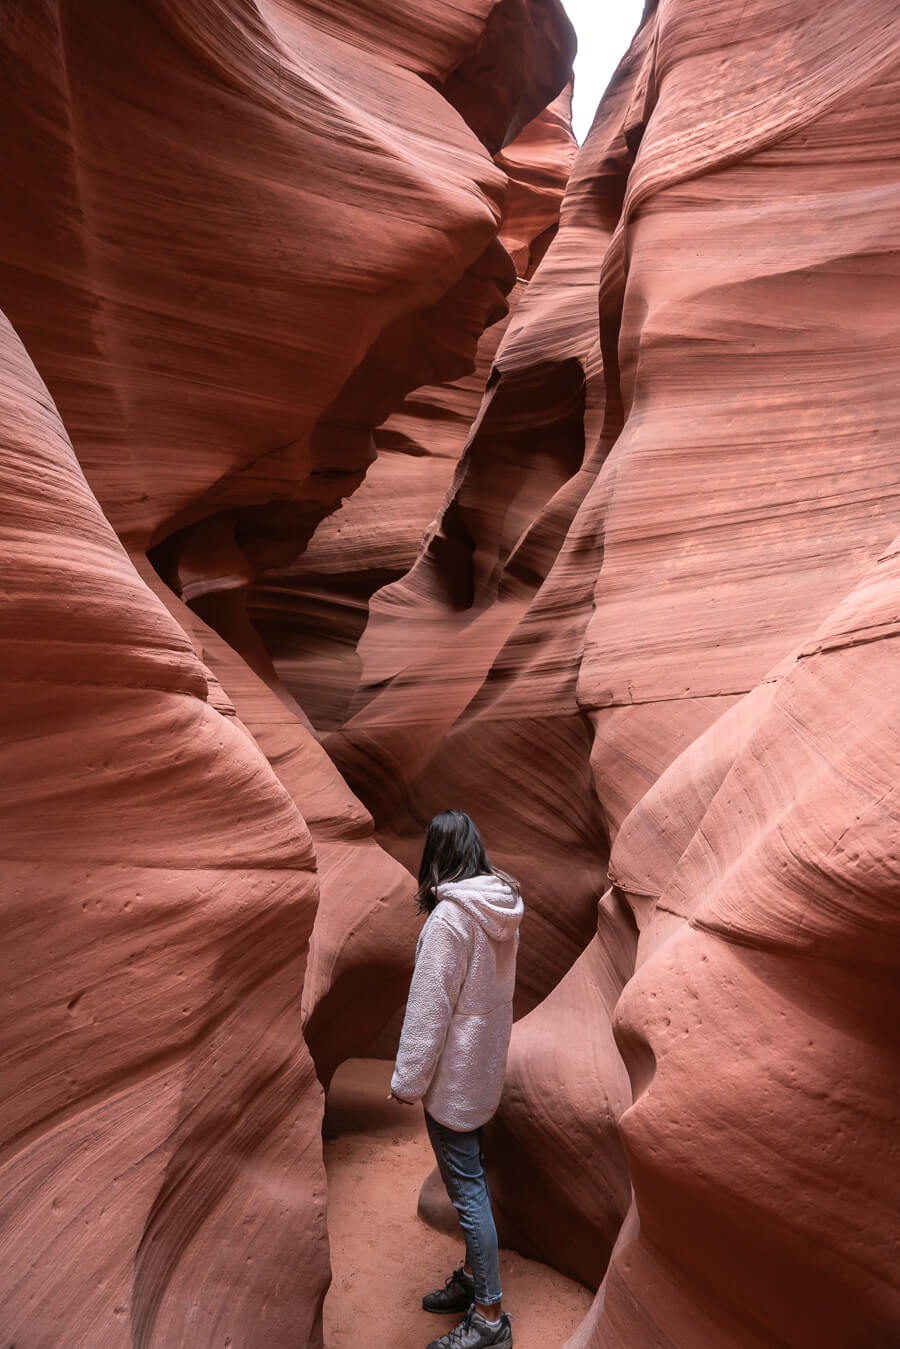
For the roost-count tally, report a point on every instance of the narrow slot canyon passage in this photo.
(389, 425)
(383, 1257)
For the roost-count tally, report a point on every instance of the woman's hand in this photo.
(394, 1097)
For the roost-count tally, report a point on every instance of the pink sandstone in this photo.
(312, 612)
(649, 641)
(160, 1118)
(739, 479)
(221, 334)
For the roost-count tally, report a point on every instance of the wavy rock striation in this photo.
(161, 1114)
(767, 971)
(648, 641)
(193, 290)
(220, 318)
(312, 613)
(700, 386)
(239, 233)
(487, 564)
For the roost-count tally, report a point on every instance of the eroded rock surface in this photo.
(160, 1111)
(648, 641)
(198, 290)
(765, 1204)
(711, 470)
(451, 705)
(237, 234)
(311, 614)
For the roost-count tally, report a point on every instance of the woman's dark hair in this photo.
(454, 851)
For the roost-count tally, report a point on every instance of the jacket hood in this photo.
(490, 900)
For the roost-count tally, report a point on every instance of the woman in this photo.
(453, 1049)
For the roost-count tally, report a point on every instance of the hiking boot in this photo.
(473, 1332)
(457, 1294)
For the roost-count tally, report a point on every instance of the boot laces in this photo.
(458, 1333)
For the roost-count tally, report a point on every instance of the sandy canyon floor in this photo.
(383, 1256)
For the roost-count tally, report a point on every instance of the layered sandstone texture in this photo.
(160, 1113)
(245, 197)
(649, 644)
(650, 641)
(236, 234)
(312, 613)
(221, 332)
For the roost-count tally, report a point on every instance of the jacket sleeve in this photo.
(441, 964)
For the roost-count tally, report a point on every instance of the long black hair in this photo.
(454, 851)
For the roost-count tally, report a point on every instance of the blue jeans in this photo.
(461, 1164)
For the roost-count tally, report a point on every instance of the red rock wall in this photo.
(619, 641)
(312, 613)
(470, 665)
(765, 1204)
(648, 642)
(236, 233)
(160, 1114)
(196, 290)
(483, 637)
(754, 1025)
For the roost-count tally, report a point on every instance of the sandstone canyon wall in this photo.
(312, 613)
(256, 250)
(642, 644)
(161, 1114)
(235, 235)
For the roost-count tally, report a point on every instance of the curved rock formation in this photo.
(312, 613)
(353, 981)
(488, 574)
(711, 578)
(502, 735)
(738, 478)
(221, 319)
(239, 232)
(649, 642)
(159, 892)
(767, 972)
(205, 295)
(558, 1122)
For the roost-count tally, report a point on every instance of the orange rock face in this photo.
(312, 613)
(649, 640)
(767, 972)
(483, 637)
(684, 469)
(236, 235)
(757, 863)
(220, 320)
(160, 1113)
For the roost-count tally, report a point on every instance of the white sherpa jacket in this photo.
(455, 1036)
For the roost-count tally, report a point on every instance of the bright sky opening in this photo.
(605, 29)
